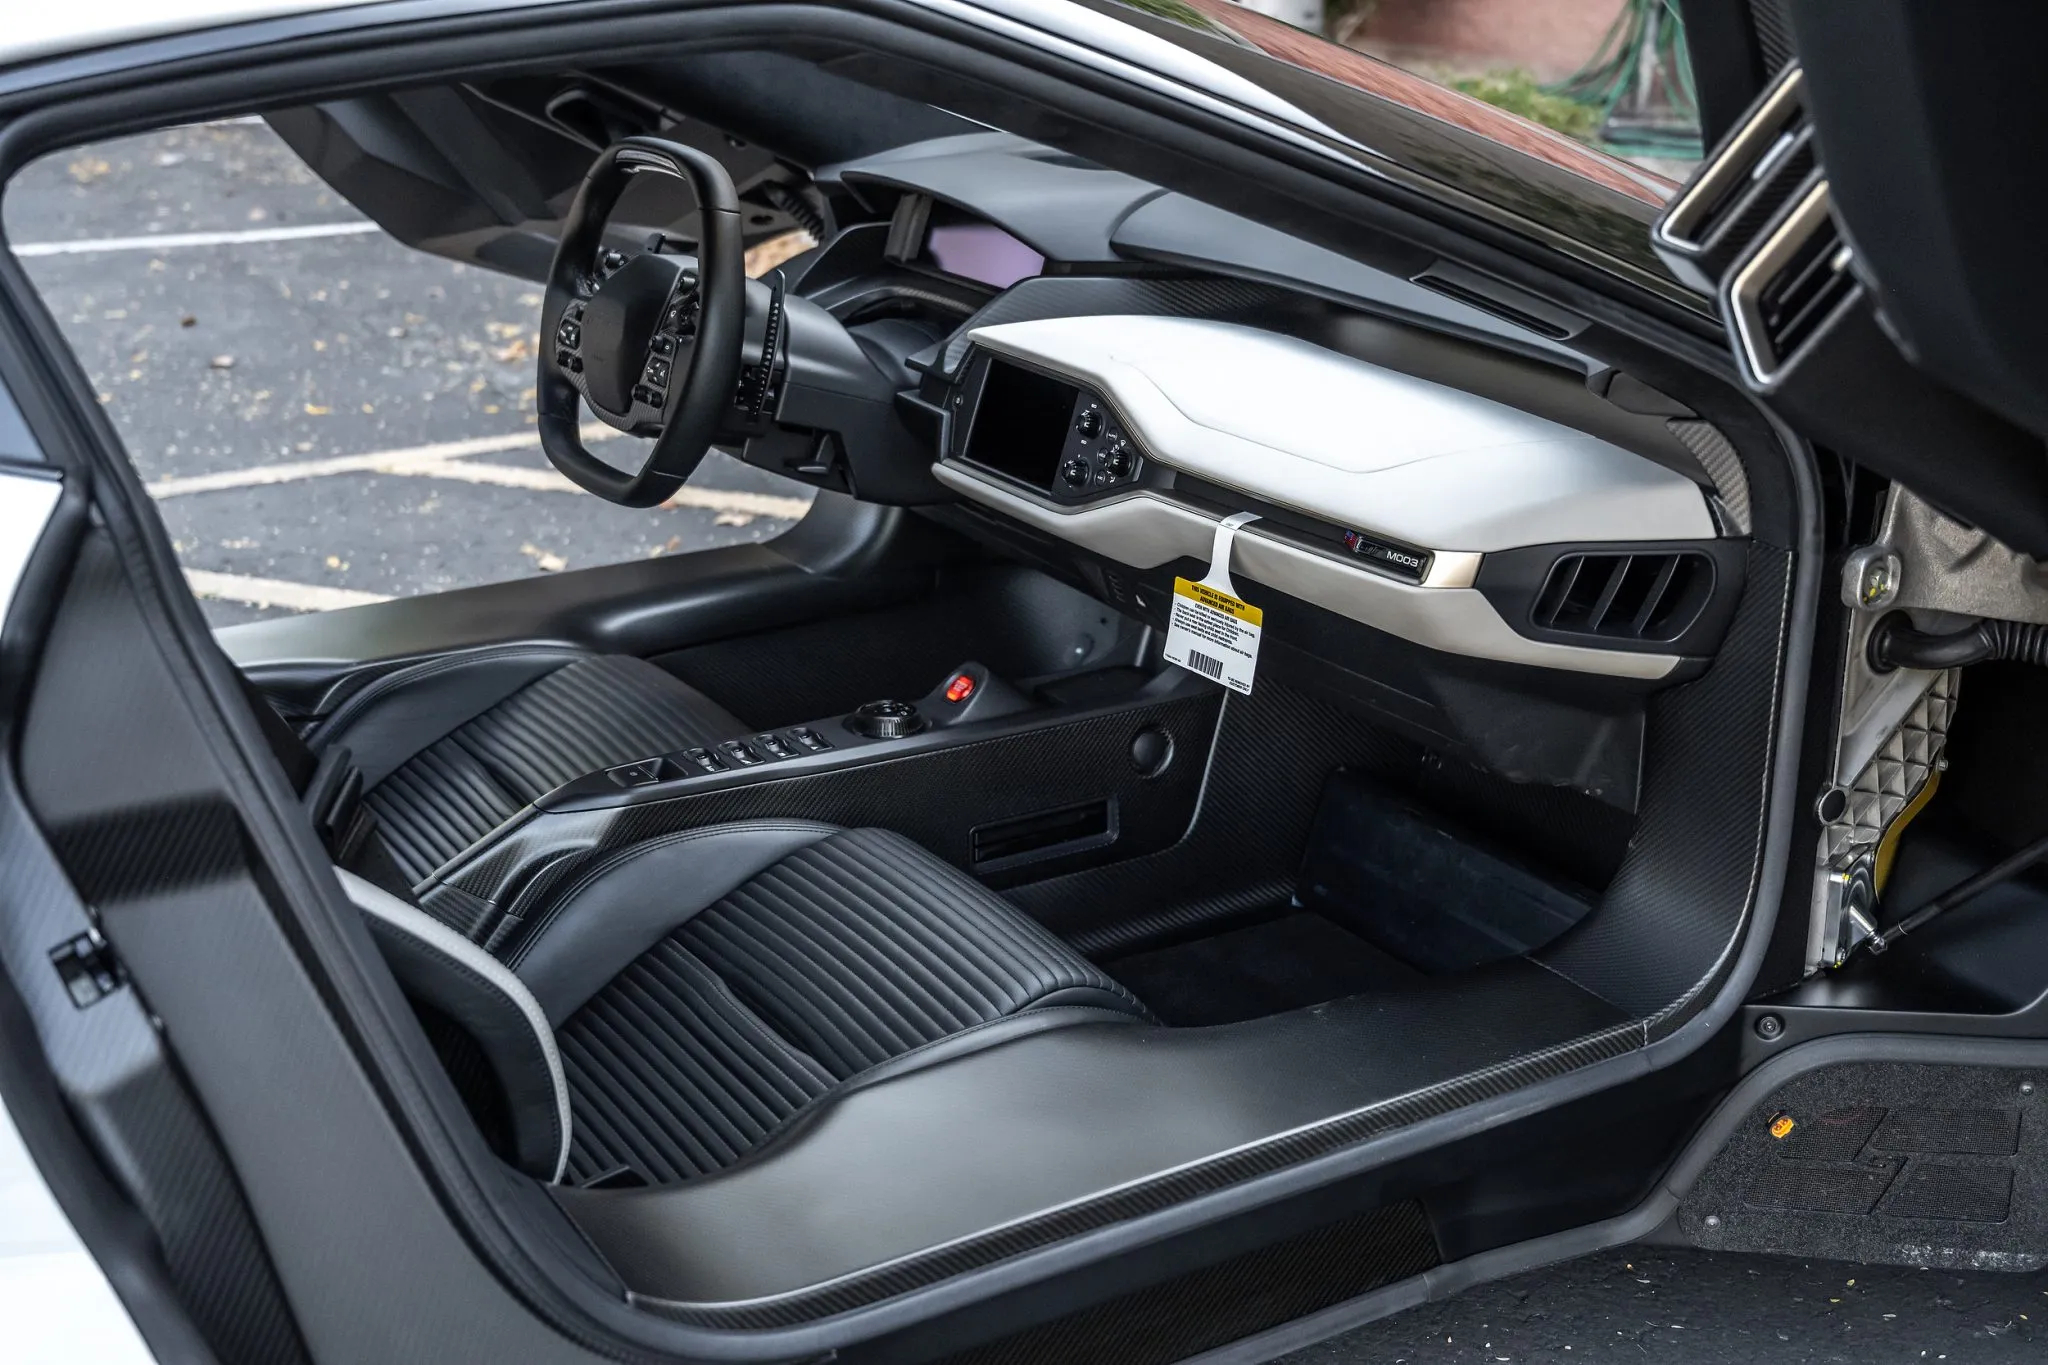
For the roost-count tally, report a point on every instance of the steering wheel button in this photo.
(571, 334)
(663, 344)
(657, 372)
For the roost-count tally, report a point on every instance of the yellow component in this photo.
(1888, 844)
(1207, 596)
(1782, 1126)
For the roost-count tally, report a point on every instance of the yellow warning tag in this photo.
(1211, 630)
(1782, 1126)
(1221, 601)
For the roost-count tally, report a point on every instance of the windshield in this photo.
(1575, 116)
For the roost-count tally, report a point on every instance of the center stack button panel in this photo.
(1099, 455)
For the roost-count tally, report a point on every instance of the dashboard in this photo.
(1087, 427)
(1100, 372)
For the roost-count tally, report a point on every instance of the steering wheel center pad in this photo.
(619, 324)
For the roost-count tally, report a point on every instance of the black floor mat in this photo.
(1285, 963)
(1887, 1163)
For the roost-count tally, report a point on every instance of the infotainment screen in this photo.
(1020, 424)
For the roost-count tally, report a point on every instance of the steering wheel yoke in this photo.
(652, 341)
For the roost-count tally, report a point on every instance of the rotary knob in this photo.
(1075, 472)
(1089, 423)
(1116, 458)
(885, 720)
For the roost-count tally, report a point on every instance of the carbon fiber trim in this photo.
(1668, 927)
(935, 797)
(1221, 1303)
(1718, 457)
(1066, 296)
(1150, 1196)
(1773, 34)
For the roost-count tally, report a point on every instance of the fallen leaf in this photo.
(733, 519)
(221, 362)
(546, 560)
(188, 321)
(336, 562)
(317, 410)
(87, 169)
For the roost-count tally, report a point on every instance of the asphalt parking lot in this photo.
(328, 418)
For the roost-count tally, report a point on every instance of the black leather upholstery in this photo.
(446, 973)
(692, 999)
(452, 746)
(847, 950)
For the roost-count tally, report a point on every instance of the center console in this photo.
(1005, 786)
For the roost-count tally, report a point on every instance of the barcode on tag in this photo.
(1206, 666)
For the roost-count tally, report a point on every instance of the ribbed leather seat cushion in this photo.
(588, 714)
(672, 1076)
(843, 955)
(863, 946)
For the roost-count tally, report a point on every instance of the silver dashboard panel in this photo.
(1290, 423)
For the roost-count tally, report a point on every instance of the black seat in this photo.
(689, 998)
(451, 746)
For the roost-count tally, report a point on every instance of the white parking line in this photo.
(373, 462)
(444, 461)
(167, 241)
(276, 592)
(550, 481)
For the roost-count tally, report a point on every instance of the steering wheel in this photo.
(650, 341)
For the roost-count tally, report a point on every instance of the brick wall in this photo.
(1550, 38)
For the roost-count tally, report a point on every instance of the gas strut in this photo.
(1961, 893)
(1894, 643)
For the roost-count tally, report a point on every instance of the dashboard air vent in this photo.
(1760, 168)
(1649, 596)
(1785, 294)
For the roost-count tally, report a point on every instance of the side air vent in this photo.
(1738, 190)
(1797, 282)
(1652, 596)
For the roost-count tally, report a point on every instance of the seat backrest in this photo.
(455, 979)
(444, 975)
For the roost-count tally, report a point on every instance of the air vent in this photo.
(1650, 596)
(1737, 191)
(1796, 283)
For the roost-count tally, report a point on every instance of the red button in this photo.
(960, 689)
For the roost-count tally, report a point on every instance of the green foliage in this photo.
(1518, 93)
(1176, 11)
